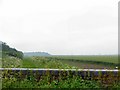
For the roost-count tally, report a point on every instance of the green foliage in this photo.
(116, 85)
(7, 51)
(44, 82)
(11, 62)
(33, 62)
(10, 81)
(43, 62)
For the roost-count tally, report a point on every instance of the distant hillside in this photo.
(36, 54)
(8, 51)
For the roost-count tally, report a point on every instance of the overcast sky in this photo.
(60, 26)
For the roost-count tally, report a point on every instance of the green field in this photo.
(95, 58)
(88, 61)
(95, 62)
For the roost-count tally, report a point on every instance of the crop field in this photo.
(95, 58)
(55, 62)
(87, 61)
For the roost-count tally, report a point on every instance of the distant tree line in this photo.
(36, 54)
(6, 50)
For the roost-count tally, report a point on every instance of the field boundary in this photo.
(57, 72)
(107, 70)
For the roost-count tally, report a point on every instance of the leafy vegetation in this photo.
(46, 82)
(43, 62)
(11, 62)
(33, 62)
(7, 51)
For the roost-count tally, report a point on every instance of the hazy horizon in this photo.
(65, 27)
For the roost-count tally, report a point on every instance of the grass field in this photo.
(95, 58)
(94, 62)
